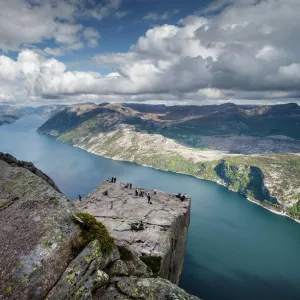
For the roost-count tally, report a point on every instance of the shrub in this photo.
(92, 230)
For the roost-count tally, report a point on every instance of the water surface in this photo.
(236, 250)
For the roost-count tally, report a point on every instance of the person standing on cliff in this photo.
(79, 197)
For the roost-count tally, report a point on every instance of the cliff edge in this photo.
(51, 250)
(162, 242)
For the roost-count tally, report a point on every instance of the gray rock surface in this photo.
(13, 162)
(166, 223)
(36, 234)
(38, 260)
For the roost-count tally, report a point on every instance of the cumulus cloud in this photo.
(24, 22)
(246, 52)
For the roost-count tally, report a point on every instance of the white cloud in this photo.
(27, 23)
(101, 11)
(91, 36)
(22, 23)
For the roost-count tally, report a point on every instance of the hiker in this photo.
(79, 198)
(149, 198)
(136, 192)
(130, 186)
(112, 179)
(154, 191)
(141, 226)
(115, 180)
(182, 198)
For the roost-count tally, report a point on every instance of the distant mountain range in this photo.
(10, 113)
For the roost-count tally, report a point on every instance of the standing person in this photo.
(154, 191)
(115, 179)
(112, 179)
(79, 197)
(149, 198)
(130, 186)
(136, 192)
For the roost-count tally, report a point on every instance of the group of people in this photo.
(181, 197)
(113, 180)
(137, 226)
(141, 193)
(128, 186)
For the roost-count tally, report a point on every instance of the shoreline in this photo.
(280, 213)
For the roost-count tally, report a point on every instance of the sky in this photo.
(149, 51)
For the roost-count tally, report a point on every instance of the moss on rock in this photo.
(91, 230)
(153, 262)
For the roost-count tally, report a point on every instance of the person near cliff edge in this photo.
(79, 197)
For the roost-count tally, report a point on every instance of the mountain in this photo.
(241, 147)
(9, 113)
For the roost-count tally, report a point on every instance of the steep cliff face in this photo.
(162, 243)
(13, 162)
(51, 250)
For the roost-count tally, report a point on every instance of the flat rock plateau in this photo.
(166, 223)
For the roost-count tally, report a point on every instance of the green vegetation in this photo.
(153, 262)
(91, 230)
(294, 211)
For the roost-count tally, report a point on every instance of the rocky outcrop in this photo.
(51, 250)
(162, 243)
(13, 162)
(36, 234)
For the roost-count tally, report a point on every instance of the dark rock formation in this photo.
(45, 253)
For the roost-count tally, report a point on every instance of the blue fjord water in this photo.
(236, 249)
